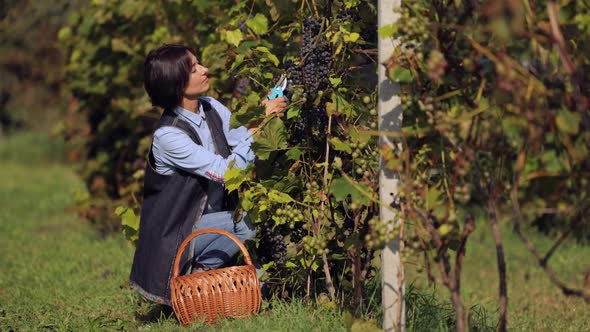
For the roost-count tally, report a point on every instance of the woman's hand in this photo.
(276, 105)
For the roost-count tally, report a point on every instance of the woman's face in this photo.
(198, 82)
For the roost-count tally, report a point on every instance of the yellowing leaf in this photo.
(258, 24)
(234, 177)
(352, 37)
(234, 37)
(128, 217)
(388, 30)
(445, 229)
(279, 197)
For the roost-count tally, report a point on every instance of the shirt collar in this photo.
(193, 117)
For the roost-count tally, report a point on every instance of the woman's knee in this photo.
(244, 229)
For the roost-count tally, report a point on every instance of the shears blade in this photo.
(277, 90)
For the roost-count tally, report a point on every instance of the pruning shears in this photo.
(277, 90)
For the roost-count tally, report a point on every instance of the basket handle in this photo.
(220, 231)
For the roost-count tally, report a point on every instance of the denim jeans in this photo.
(213, 250)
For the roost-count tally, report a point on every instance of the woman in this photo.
(184, 186)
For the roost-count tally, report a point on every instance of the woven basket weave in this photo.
(211, 295)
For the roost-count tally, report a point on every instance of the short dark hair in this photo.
(166, 74)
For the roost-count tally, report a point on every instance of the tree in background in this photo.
(31, 62)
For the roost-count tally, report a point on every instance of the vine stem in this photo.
(542, 261)
(329, 282)
(558, 37)
(501, 261)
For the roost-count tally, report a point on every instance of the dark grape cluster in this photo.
(316, 57)
(241, 87)
(311, 75)
(272, 244)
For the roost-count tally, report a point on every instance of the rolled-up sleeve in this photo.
(172, 146)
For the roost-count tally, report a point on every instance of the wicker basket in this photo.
(211, 295)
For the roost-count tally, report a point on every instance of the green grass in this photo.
(534, 303)
(58, 273)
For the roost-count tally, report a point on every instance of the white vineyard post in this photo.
(390, 117)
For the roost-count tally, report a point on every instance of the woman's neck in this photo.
(190, 105)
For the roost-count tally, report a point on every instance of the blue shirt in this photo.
(173, 149)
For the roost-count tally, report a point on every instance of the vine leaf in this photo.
(234, 177)
(339, 145)
(568, 122)
(388, 30)
(273, 138)
(341, 189)
(234, 37)
(273, 58)
(128, 217)
(258, 24)
(294, 154)
(339, 105)
(279, 197)
(399, 74)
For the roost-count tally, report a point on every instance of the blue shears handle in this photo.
(276, 92)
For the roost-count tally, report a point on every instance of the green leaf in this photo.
(128, 217)
(552, 161)
(433, 198)
(339, 105)
(258, 24)
(279, 197)
(273, 138)
(234, 37)
(234, 177)
(293, 112)
(335, 81)
(315, 265)
(341, 189)
(119, 45)
(294, 154)
(445, 229)
(388, 30)
(399, 74)
(274, 12)
(339, 145)
(273, 58)
(352, 37)
(568, 122)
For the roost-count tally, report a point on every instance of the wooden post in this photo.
(390, 118)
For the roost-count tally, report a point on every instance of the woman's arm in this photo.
(173, 148)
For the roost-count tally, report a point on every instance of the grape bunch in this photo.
(379, 235)
(365, 160)
(436, 65)
(316, 57)
(311, 75)
(272, 244)
(315, 244)
(413, 28)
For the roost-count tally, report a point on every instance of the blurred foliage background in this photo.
(32, 90)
